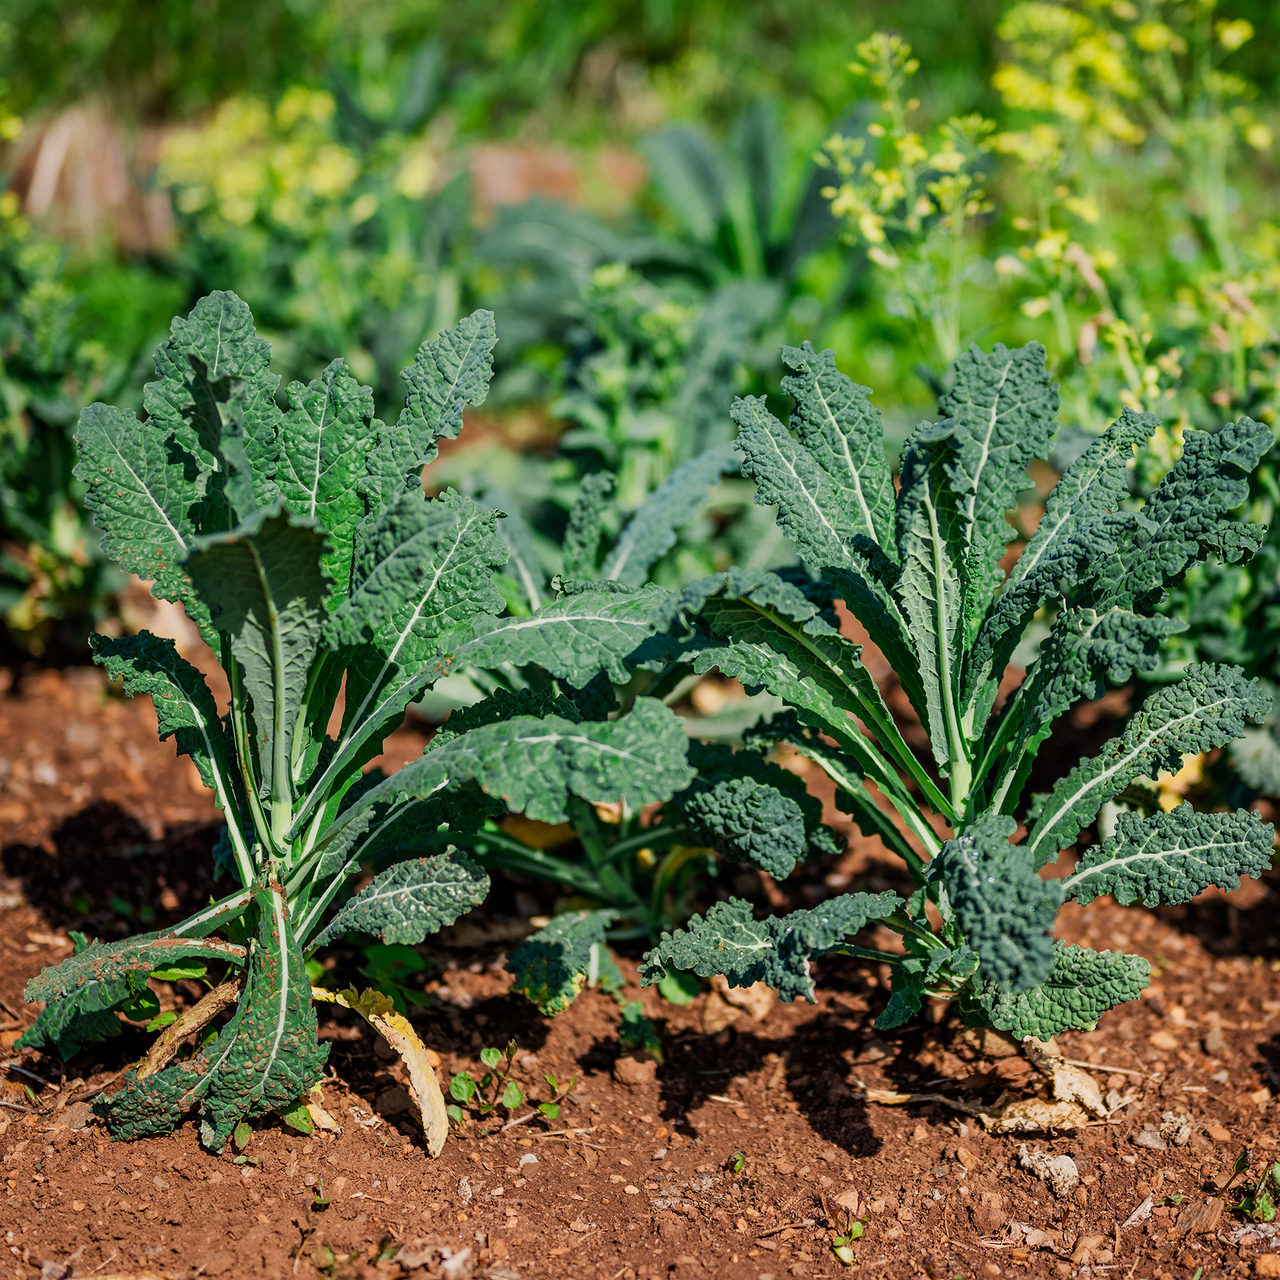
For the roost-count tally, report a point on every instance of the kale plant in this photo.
(921, 570)
(328, 585)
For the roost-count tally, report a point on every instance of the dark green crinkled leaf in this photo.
(836, 422)
(1081, 987)
(424, 573)
(265, 587)
(812, 505)
(536, 763)
(411, 900)
(264, 1059)
(1004, 909)
(651, 532)
(83, 1016)
(1188, 514)
(766, 633)
(592, 627)
(552, 966)
(775, 951)
(215, 397)
(1206, 709)
(586, 527)
(449, 372)
(931, 586)
(185, 708)
(748, 809)
(1170, 857)
(143, 492)
(1003, 409)
(1082, 519)
(501, 705)
(1085, 652)
(66, 1026)
(325, 439)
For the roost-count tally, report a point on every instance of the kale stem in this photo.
(240, 733)
(866, 953)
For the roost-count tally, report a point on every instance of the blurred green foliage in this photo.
(1102, 173)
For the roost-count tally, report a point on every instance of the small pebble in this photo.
(631, 1189)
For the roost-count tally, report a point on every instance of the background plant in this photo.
(328, 211)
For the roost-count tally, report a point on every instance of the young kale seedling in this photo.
(921, 569)
(302, 545)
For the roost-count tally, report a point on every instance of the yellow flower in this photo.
(1231, 35)
(1084, 207)
(1034, 307)
(413, 178)
(1155, 37)
(1050, 245)
(363, 208)
(1258, 136)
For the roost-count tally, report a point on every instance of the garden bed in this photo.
(98, 821)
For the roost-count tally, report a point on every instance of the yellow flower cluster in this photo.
(910, 204)
(1114, 70)
(285, 166)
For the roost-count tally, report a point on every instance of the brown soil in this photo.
(98, 822)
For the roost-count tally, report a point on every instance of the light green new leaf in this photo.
(1004, 909)
(449, 372)
(411, 900)
(1081, 987)
(1206, 709)
(1168, 858)
(324, 442)
(651, 532)
(552, 966)
(776, 951)
(840, 427)
(265, 587)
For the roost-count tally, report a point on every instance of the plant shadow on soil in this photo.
(103, 874)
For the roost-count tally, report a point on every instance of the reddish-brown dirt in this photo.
(101, 826)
